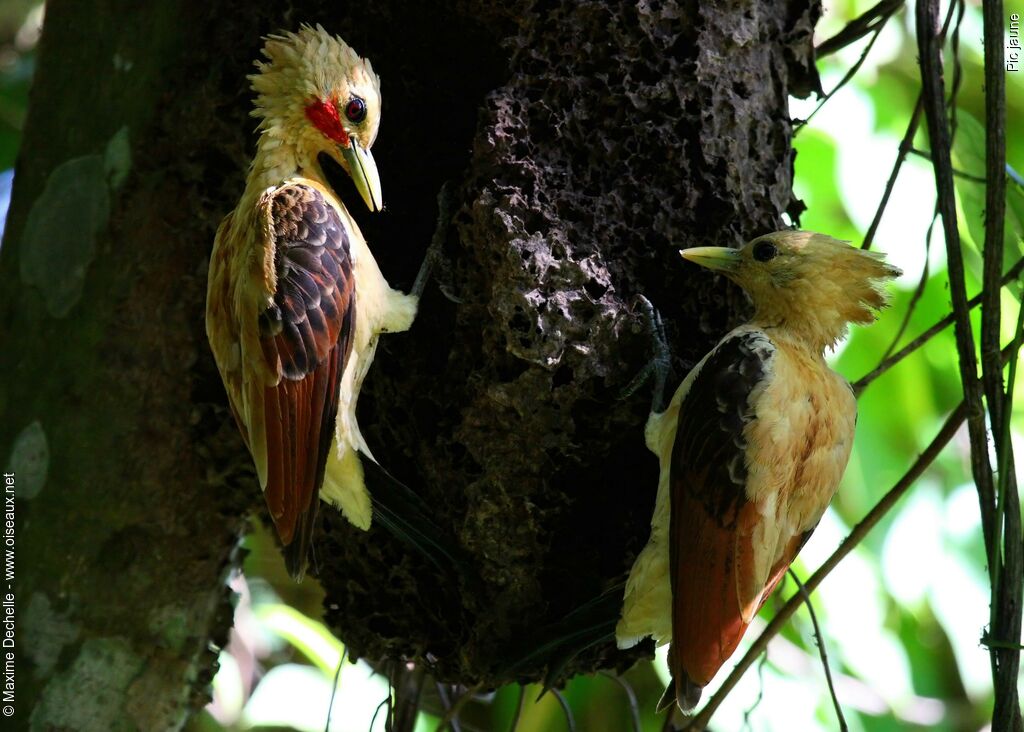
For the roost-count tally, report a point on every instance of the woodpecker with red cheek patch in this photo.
(752, 448)
(295, 300)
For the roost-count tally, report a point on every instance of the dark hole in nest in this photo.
(563, 375)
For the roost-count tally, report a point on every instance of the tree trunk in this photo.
(586, 143)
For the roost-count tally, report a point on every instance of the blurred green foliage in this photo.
(18, 21)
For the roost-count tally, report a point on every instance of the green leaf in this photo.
(969, 157)
(815, 184)
(1015, 206)
(312, 638)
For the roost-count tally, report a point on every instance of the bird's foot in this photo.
(660, 364)
(434, 251)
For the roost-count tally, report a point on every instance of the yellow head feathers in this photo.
(315, 96)
(810, 283)
(312, 65)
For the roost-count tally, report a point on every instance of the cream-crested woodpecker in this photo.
(752, 447)
(296, 301)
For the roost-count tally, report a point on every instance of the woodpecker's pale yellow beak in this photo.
(720, 259)
(364, 174)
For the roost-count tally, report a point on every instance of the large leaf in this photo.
(969, 158)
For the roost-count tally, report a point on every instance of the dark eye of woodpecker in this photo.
(765, 251)
(355, 110)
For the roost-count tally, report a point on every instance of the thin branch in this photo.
(958, 75)
(760, 692)
(450, 718)
(446, 702)
(842, 82)
(634, 706)
(956, 5)
(1014, 175)
(334, 688)
(855, 537)
(870, 21)
(1011, 174)
(930, 59)
(1006, 466)
(820, 640)
(669, 723)
(387, 702)
(999, 644)
(886, 364)
(570, 720)
(915, 298)
(519, 709)
(956, 171)
(1005, 625)
(906, 145)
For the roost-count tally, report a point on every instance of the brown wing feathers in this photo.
(710, 515)
(306, 336)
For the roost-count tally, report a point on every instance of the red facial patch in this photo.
(324, 116)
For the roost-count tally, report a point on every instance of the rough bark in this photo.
(587, 142)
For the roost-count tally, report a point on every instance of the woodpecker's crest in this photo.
(316, 96)
(811, 282)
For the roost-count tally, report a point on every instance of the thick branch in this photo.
(1008, 570)
(930, 59)
(819, 638)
